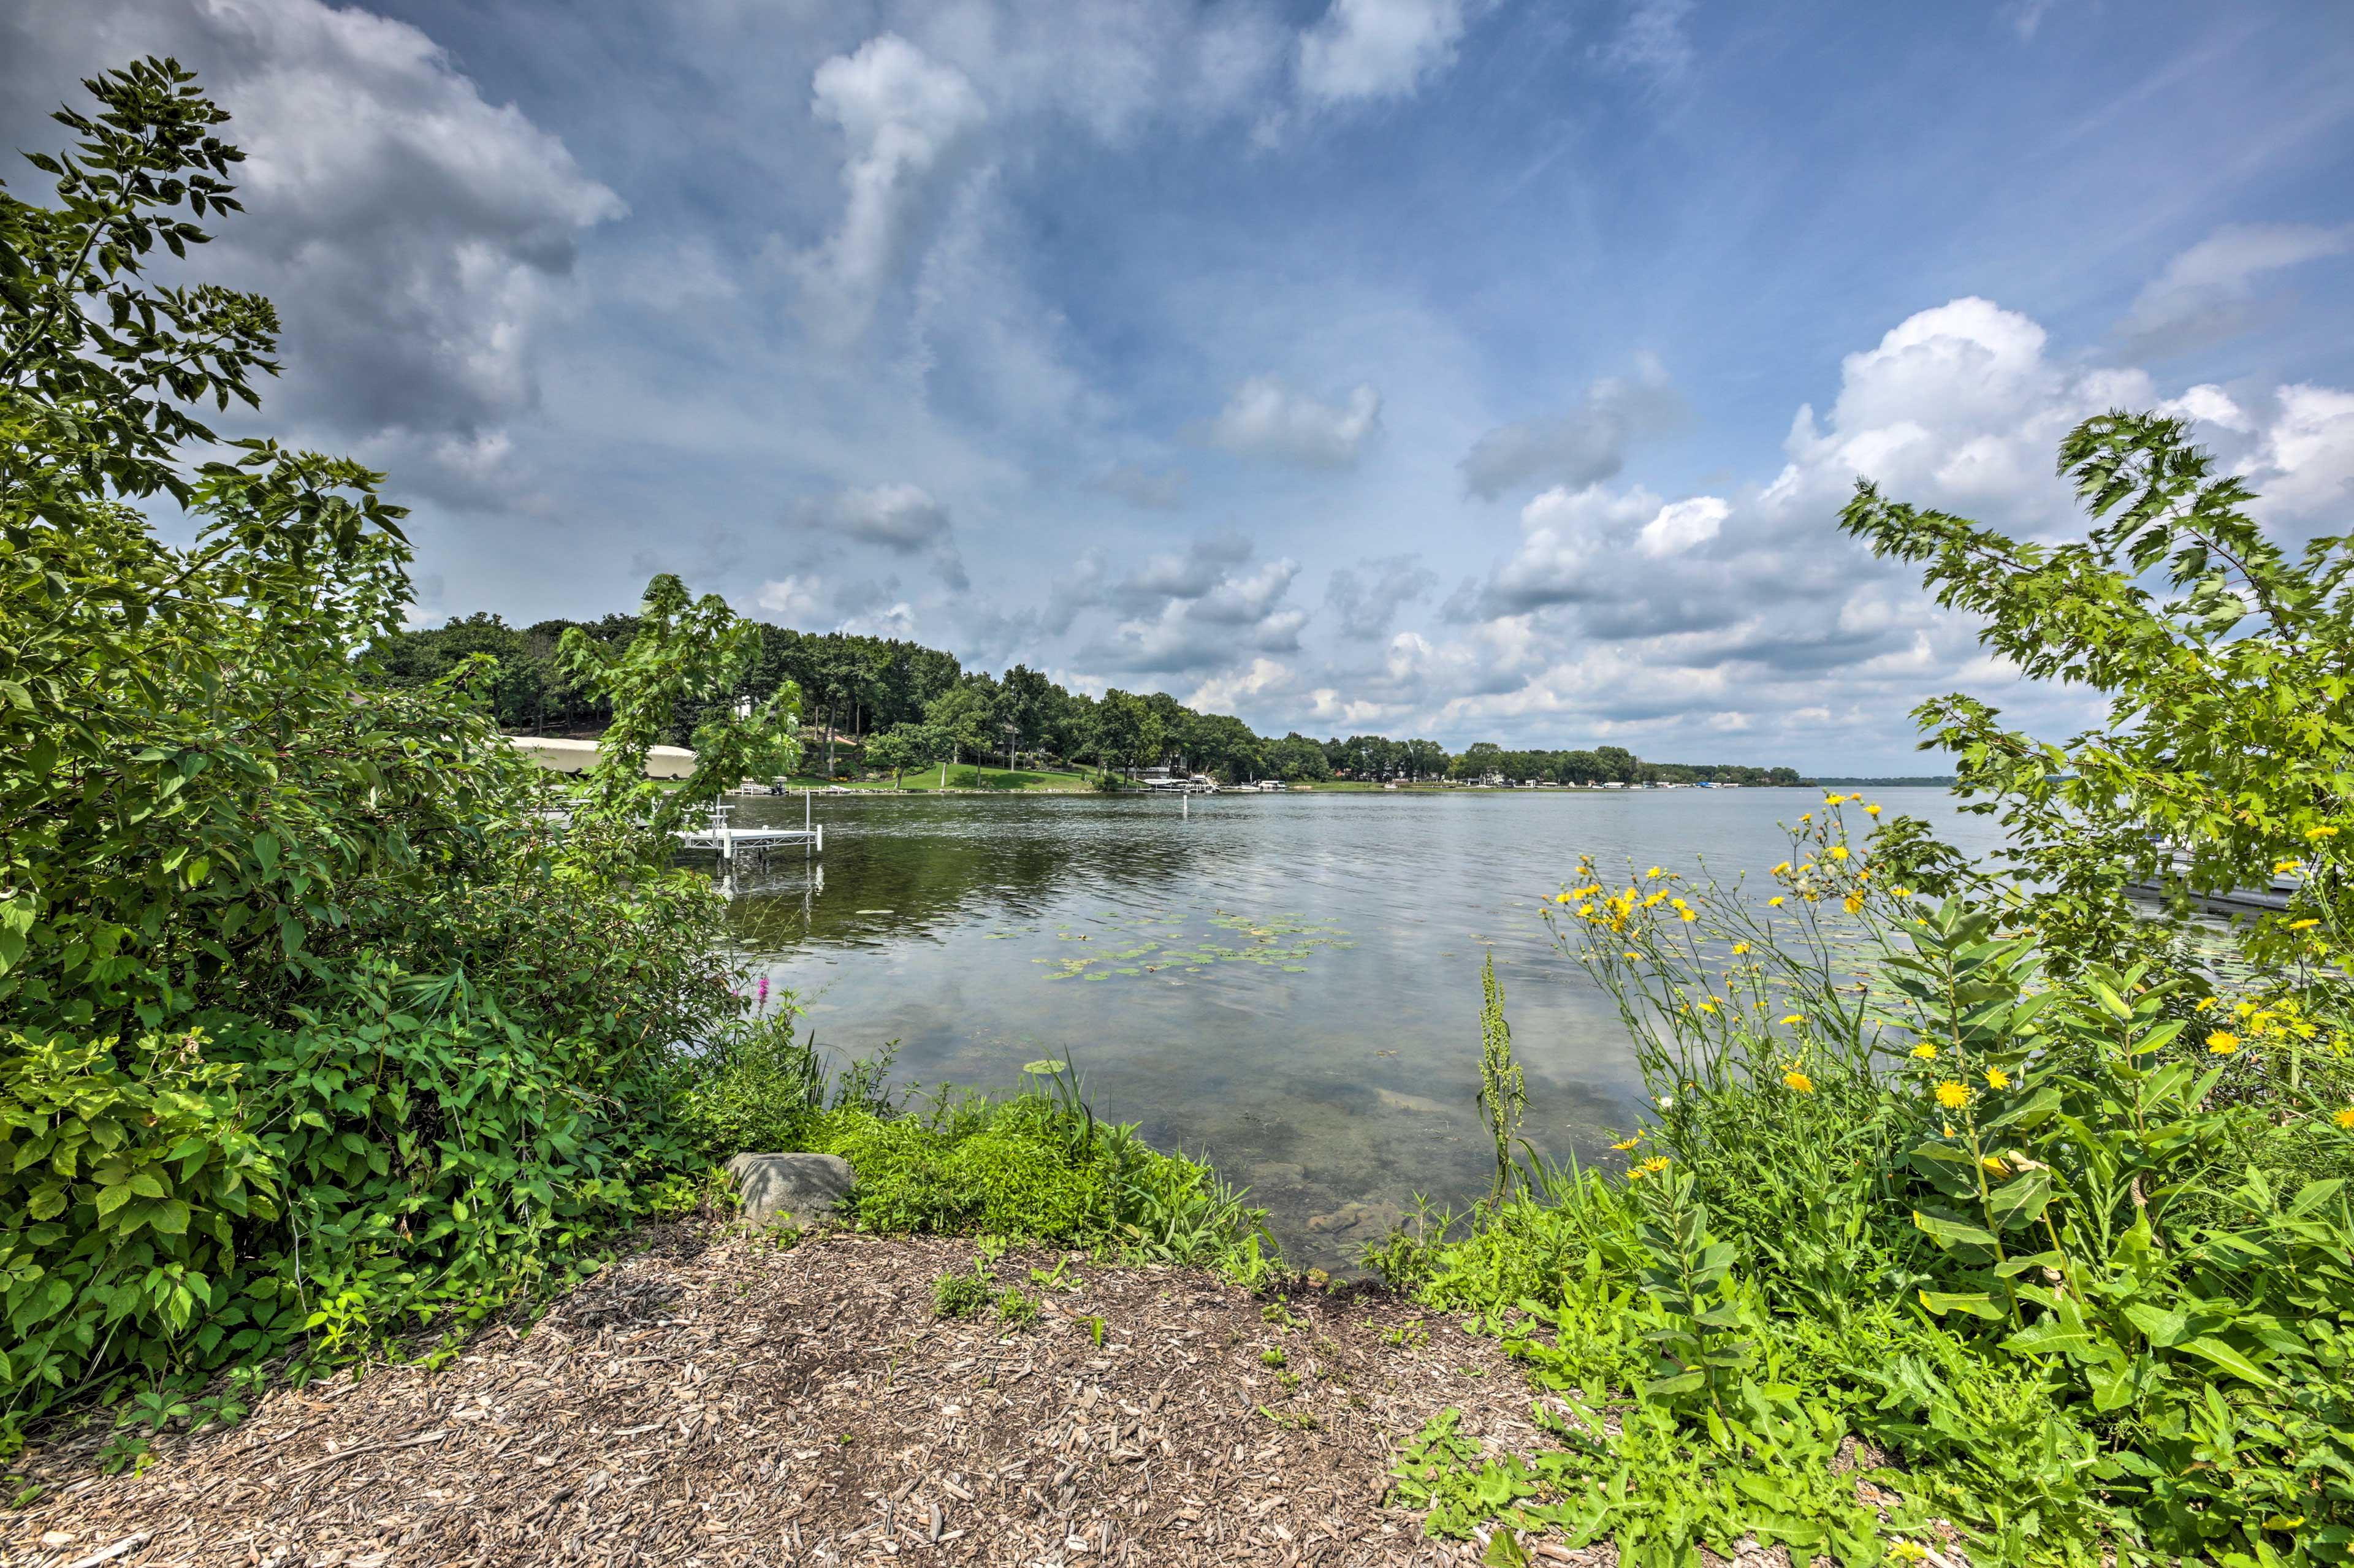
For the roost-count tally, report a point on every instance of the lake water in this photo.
(1287, 984)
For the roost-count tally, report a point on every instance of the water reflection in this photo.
(1288, 983)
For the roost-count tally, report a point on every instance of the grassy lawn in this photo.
(962, 776)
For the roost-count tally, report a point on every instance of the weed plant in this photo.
(1998, 1177)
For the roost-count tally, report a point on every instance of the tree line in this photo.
(885, 705)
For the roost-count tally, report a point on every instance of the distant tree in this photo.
(966, 715)
(902, 747)
(1127, 729)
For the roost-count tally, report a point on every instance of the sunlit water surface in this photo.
(1287, 984)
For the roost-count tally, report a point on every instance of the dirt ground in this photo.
(713, 1400)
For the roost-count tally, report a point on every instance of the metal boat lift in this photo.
(756, 844)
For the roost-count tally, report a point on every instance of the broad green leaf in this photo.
(1950, 1233)
(2229, 1360)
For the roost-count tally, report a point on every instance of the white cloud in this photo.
(1265, 418)
(1581, 448)
(416, 238)
(902, 115)
(1364, 49)
(2205, 293)
(795, 597)
(1225, 694)
(1366, 598)
(2304, 465)
(1563, 533)
(1682, 525)
(901, 518)
(1652, 41)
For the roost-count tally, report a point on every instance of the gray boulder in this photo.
(791, 1189)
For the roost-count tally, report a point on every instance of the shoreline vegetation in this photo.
(345, 1101)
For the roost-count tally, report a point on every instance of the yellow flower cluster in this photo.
(1800, 1081)
(1952, 1096)
(1651, 1167)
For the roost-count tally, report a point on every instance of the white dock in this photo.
(734, 844)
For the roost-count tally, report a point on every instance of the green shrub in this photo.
(2045, 1199)
(321, 1021)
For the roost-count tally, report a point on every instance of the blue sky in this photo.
(1427, 366)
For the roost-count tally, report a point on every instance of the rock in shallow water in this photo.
(791, 1189)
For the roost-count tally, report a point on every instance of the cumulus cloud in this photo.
(1366, 597)
(2304, 465)
(1563, 535)
(1265, 418)
(1364, 49)
(901, 518)
(1580, 448)
(416, 238)
(1681, 526)
(1618, 612)
(795, 597)
(2209, 291)
(903, 116)
(1251, 686)
(1183, 612)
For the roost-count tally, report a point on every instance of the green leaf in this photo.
(2229, 1360)
(2021, 1200)
(1950, 1233)
(1976, 1304)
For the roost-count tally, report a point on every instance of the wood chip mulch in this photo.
(713, 1400)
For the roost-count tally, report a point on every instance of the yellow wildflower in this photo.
(1833, 800)
(1774, 902)
(2345, 1118)
(1800, 1081)
(2223, 1043)
(1629, 1143)
(1654, 874)
(1855, 903)
(2284, 867)
(2302, 925)
(1873, 809)
(1952, 1096)
(1926, 1051)
(1782, 868)
(1650, 1166)
(2204, 1003)
(1739, 949)
(1807, 817)
(1796, 1018)
(1993, 1166)
(2316, 833)
(1997, 1078)
(1838, 852)
(1687, 916)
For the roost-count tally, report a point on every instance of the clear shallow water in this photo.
(1287, 983)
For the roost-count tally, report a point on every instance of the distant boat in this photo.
(2270, 899)
(562, 755)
